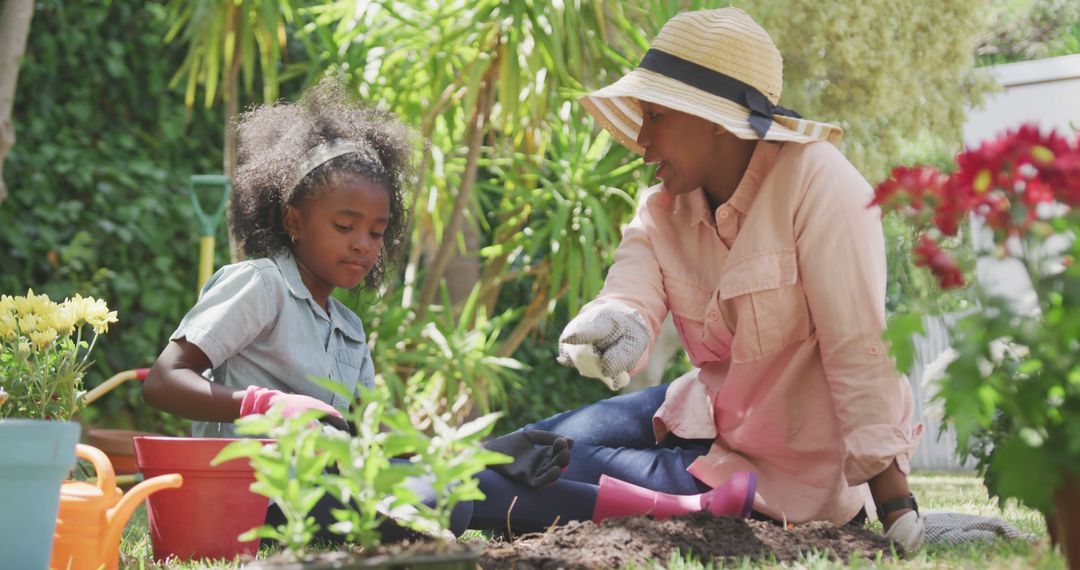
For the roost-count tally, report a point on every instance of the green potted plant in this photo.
(357, 469)
(44, 353)
(1012, 388)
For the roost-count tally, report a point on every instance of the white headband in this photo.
(320, 155)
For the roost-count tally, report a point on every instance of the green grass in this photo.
(959, 492)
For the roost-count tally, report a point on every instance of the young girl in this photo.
(318, 204)
(760, 243)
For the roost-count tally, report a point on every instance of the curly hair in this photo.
(273, 141)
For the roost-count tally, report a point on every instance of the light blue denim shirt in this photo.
(258, 324)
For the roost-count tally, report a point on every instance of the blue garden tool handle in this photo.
(208, 221)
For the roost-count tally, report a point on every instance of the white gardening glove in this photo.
(908, 531)
(605, 341)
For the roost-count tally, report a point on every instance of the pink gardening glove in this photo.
(257, 400)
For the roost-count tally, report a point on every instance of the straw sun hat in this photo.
(715, 64)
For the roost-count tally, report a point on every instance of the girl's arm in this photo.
(175, 385)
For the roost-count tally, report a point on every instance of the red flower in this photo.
(914, 187)
(1005, 182)
(929, 254)
(1063, 176)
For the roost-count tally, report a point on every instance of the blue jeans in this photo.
(615, 437)
(612, 437)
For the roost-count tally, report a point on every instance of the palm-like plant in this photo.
(230, 43)
(515, 176)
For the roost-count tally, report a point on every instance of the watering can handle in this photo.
(106, 477)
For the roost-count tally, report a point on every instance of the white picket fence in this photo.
(937, 448)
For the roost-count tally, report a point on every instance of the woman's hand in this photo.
(605, 342)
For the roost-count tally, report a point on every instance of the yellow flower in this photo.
(43, 338)
(24, 349)
(99, 316)
(92, 311)
(49, 313)
(79, 307)
(31, 304)
(29, 323)
(7, 326)
(64, 319)
(6, 304)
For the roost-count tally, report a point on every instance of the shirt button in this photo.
(723, 214)
(714, 316)
(873, 350)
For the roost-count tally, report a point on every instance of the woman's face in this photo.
(685, 147)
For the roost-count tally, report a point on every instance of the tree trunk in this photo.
(1064, 524)
(231, 92)
(449, 239)
(14, 29)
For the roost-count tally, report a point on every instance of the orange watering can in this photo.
(92, 516)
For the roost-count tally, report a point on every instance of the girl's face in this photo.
(338, 234)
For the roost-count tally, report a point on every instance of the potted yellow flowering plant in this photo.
(44, 353)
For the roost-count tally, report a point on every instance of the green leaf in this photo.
(244, 448)
(1028, 473)
(899, 337)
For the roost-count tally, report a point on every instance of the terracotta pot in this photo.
(119, 446)
(1064, 524)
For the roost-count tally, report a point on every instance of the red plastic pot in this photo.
(205, 517)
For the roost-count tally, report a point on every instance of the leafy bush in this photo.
(97, 180)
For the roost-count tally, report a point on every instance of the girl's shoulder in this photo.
(246, 273)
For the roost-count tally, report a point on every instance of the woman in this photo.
(759, 241)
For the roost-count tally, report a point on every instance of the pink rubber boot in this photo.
(621, 499)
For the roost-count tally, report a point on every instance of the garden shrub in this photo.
(97, 177)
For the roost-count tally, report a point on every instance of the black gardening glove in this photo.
(539, 456)
(339, 423)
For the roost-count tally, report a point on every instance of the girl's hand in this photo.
(258, 400)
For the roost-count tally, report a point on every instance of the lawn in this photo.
(952, 491)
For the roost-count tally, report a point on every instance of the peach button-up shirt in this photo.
(779, 299)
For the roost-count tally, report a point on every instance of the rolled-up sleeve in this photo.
(635, 278)
(841, 256)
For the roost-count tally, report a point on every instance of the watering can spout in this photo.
(118, 515)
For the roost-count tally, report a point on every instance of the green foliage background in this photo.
(98, 176)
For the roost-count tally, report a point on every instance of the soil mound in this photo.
(615, 543)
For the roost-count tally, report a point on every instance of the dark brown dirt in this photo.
(614, 543)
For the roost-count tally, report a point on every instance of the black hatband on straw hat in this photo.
(719, 84)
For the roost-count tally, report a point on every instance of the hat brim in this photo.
(616, 107)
